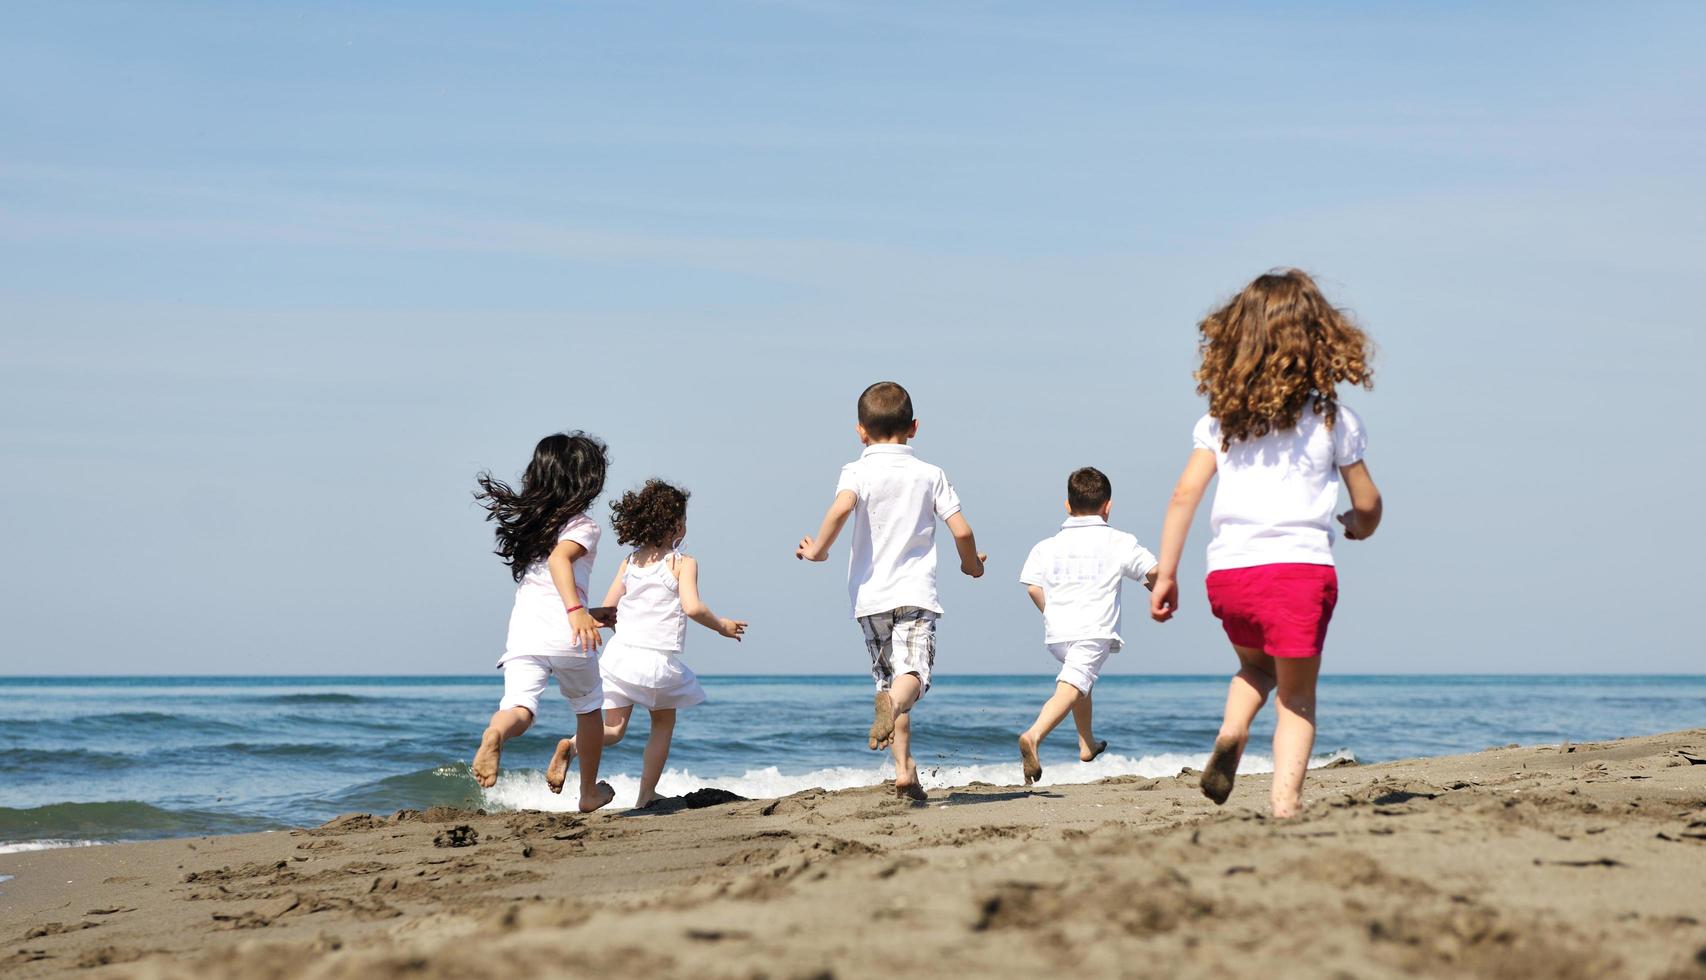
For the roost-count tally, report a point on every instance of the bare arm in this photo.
(971, 560)
(1037, 596)
(687, 576)
(1164, 594)
(613, 595)
(561, 565)
(1364, 515)
(817, 548)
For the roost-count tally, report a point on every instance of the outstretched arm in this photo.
(971, 560)
(1164, 594)
(817, 548)
(1364, 515)
(687, 576)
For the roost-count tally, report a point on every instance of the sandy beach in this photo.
(1555, 861)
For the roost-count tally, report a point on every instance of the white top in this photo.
(539, 624)
(1080, 571)
(900, 498)
(649, 613)
(1276, 494)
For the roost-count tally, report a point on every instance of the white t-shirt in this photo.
(539, 624)
(1080, 571)
(900, 499)
(1276, 494)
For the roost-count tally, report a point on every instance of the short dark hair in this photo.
(1087, 489)
(885, 410)
(650, 516)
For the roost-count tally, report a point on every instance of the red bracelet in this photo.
(575, 608)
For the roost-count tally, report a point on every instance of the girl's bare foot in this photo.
(882, 727)
(1090, 754)
(642, 802)
(906, 783)
(486, 760)
(601, 796)
(1222, 767)
(1028, 758)
(557, 772)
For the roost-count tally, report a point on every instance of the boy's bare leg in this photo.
(615, 726)
(589, 742)
(656, 754)
(1055, 710)
(882, 726)
(1294, 733)
(1244, 697)
(506, 724)
(1088, 747)
(903, 694)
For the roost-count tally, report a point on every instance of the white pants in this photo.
(1081, 661)
(577, 677)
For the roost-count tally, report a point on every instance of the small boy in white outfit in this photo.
(895, 500)
(1075, 578)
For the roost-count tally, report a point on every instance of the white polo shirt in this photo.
(538, 623)
(900, 499)
(1274, 499)
(1080, 571)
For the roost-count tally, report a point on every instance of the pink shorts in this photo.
(1282, 610)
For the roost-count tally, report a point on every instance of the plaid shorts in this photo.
(900, 641)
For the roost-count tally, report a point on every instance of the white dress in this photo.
(642, 663)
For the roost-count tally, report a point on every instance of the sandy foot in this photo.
(1222, 767)
(602, 795)
(882, 727)
(558, 771)
(1095, 750)
(486, 760)
(906, 784)
(1028, 759)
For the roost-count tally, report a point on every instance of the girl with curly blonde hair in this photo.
(1282, 444)
(656, 591)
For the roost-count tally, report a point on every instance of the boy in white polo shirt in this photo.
(895, 500)
(1075, 578)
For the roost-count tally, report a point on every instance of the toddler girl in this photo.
(655, 593)
(549, 544)
(1281, 443)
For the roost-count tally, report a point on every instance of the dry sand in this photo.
(1565, 861)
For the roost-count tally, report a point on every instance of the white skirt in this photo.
(653, 679)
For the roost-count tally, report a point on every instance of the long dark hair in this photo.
(565, 477)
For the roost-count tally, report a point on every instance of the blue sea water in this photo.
(104, 759)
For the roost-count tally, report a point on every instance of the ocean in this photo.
(90, 760)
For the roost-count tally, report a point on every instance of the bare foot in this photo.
(1222, 767)
(642, 802)
(882, 727)
(1094, 751)
(600, 798)
(1028, 758)
(906, 783)
(557, 772)
(486, 760)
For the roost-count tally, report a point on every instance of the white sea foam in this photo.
(44, 845)
(525, 789)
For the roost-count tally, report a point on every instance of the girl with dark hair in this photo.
(549, 543)
(1282, 444)
(655, 593)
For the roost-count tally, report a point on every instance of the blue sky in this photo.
(277, 280)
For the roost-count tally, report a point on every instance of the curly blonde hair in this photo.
(1276, 347)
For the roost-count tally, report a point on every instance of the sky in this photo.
(277, 280)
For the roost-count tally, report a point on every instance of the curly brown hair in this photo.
(651, 516)
(1276, 347)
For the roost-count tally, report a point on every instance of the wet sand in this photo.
(1558, 861)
